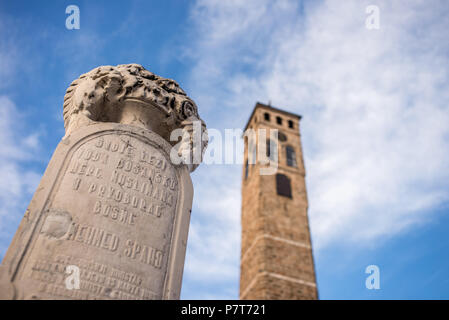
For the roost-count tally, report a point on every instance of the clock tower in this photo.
(276, 252)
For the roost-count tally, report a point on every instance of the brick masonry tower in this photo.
(276, 260)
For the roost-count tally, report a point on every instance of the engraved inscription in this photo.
(92, 236)
(144, 253)
(121, 194)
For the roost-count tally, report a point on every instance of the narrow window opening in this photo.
(283, 186)
(291, 156)
(271, 150)
(268, 148)
(279, 120)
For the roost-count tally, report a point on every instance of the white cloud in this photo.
(18, 182)
(374, 102)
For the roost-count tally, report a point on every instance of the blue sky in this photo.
(375, 121)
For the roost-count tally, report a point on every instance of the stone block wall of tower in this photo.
(276, 256)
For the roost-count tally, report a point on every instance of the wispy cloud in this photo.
(375, 133)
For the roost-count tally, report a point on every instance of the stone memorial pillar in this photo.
(112, 209)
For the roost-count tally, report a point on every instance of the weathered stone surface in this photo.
(111, 201)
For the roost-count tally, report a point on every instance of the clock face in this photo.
(282, 137)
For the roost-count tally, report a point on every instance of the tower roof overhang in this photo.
(268, 107)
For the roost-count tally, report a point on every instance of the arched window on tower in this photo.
(246, 169)
(283, 185)
(291, 156)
